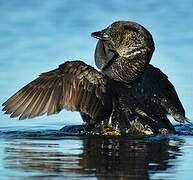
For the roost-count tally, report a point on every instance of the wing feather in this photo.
(74, 86)
(160, 90)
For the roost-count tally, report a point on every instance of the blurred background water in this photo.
(36, 36)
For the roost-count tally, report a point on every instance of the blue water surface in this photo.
(36, 36)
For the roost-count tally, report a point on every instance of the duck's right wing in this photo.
(74, 86)
(160, 90)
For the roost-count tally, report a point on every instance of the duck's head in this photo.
(123, 39)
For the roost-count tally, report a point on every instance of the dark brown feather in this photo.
(160, 90)
(74, 86)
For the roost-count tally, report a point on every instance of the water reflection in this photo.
(92, 157)
(127, 158)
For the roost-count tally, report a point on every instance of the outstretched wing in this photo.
(74, 86)
(159, 89)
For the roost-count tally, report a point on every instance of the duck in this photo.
(127, 95)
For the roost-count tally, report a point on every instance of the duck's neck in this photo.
(129, 69)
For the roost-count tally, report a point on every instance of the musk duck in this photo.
(127, 95)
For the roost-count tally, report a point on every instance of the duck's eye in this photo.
(105, 35)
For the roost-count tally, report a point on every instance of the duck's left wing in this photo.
(74, 86)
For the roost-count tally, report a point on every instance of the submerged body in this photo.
(128, 96)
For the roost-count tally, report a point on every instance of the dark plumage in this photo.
(128, 96)
(74, 86)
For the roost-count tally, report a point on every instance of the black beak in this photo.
(102, 35)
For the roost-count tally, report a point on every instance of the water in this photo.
(37, 36)
(92, 158)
